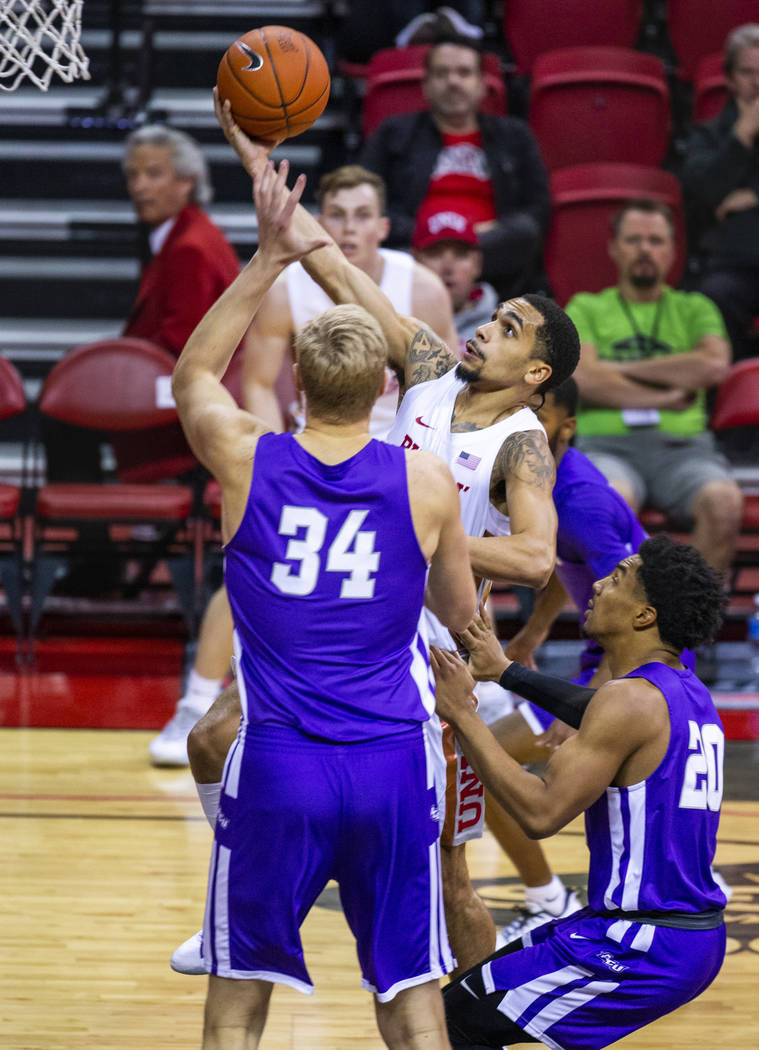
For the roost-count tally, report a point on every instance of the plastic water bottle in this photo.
(753, 640)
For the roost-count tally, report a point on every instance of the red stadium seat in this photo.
(737, 403)
(584, 198)
(697, 27)
(534, 26)
(394, 84)
(121, 386)
(12, 403)
(590, 104)
(709, 87)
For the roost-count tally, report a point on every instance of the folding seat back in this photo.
(121, 386)
(698, 27)
(394, 84)
(709, 86)
(584, 198)
(591, 104)
(12, 396)
(737, 401)
(12, 403)
(116, 384)
(534, 26)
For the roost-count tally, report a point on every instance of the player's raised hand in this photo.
(453, 685)
(253, 153)
(487, 660)
(275, 204)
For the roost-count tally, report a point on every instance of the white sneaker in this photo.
(532, 915)
(188, 958)
(169, 748)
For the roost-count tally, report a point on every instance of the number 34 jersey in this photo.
(326, 582)
(652, 844)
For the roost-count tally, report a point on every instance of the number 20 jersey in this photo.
(652, 844)
(326, 582)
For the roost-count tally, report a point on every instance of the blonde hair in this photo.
(341, 357)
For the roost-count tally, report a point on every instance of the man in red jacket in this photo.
(190, 264)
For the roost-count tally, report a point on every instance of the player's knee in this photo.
(211, 738)
(201, 752)
(720, 503)
(627, 492)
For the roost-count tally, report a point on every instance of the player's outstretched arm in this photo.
(578, 772)
(220, 434)
(266, 346)
(341, 280)
(489, 663)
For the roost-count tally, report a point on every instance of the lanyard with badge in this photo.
(642, 417)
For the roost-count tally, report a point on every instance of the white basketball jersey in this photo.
(424, 421)
(307, 300)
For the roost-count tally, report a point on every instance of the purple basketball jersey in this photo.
(326, 582)
(652, 844)
(596, 530)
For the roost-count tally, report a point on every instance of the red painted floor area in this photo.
(134, 683)
(92, 683)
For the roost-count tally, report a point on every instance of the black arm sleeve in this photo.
(565, 700)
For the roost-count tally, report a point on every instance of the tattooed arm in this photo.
(522, 487)
(427, 357)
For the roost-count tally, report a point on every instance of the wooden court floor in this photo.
(102, 873)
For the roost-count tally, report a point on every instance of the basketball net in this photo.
(39, 38)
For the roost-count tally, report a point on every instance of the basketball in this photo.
(276, 80)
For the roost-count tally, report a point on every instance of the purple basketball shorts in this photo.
(297, 812)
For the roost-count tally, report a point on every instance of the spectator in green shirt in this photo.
(649, 353)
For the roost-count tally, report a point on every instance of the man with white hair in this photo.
(188, 263)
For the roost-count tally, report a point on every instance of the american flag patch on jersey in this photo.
(466, 459)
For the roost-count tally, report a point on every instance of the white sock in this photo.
(200, 692)
(550, 897)
(210, 796)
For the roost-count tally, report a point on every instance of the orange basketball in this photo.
(276, 80)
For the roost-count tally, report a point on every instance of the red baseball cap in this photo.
(447, 225)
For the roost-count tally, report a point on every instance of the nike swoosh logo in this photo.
(577, 937)
(466, 988)
(421, 423)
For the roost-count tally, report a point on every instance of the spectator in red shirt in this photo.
(452, 156)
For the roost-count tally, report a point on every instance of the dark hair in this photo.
(556, 341)
(642, 204)
(688, 595)
(444, 36)
(566, 395)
